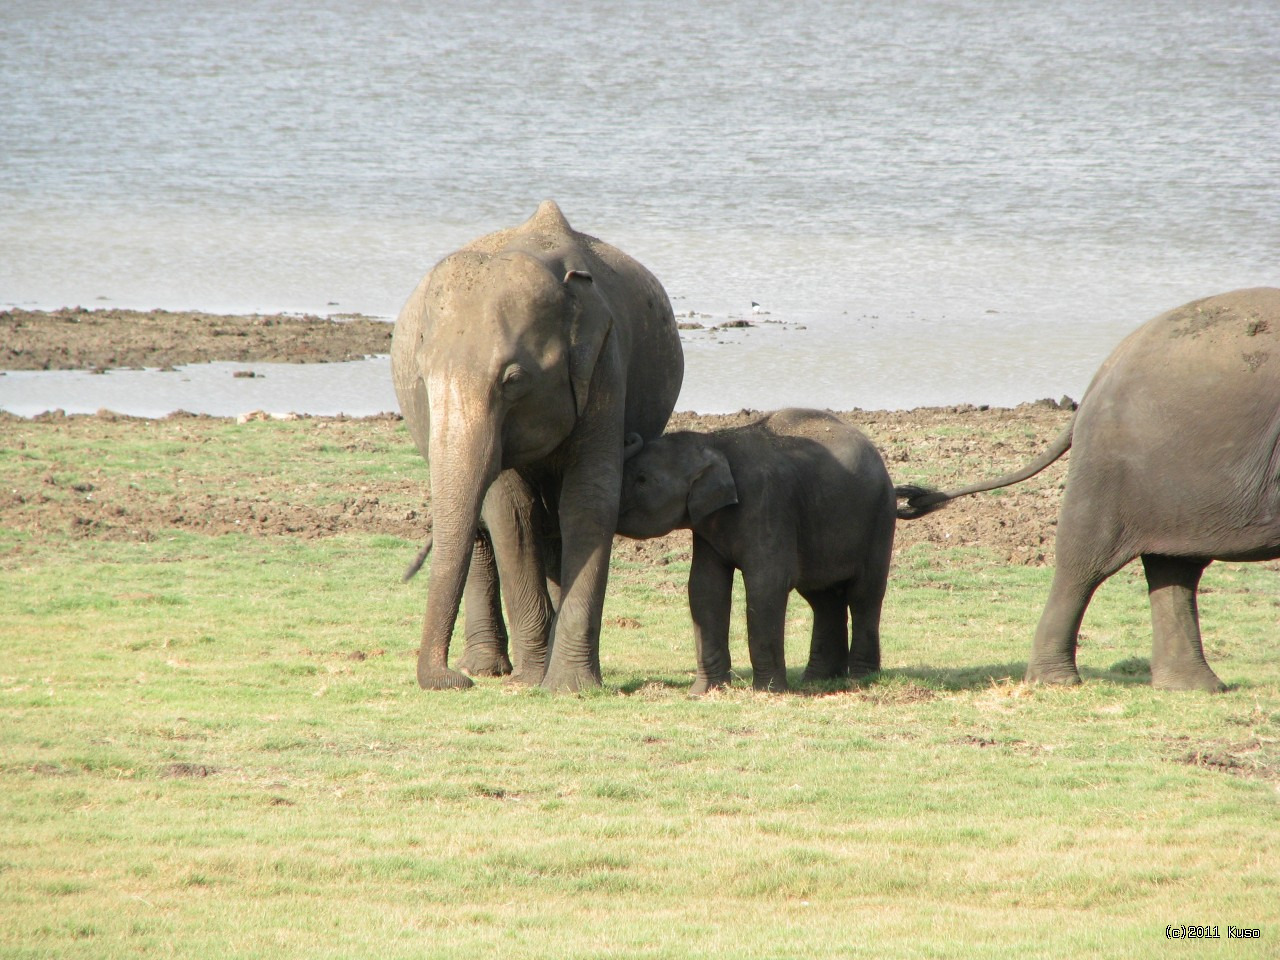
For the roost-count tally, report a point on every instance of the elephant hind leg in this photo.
(1092, 544)
(1053, 653)
(829, 643)
(866, 602)
(1177, 652)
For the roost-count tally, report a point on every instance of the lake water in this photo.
(941, 202)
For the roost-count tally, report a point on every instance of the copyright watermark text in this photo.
(1184, 931)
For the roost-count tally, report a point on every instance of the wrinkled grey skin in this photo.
(796, 501)
(1175, 459)
(520, 362)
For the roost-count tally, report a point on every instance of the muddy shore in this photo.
(941, 446)
(76, 338)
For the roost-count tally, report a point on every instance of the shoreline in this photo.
(98, 340)
(680, 419)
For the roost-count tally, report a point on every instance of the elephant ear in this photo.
(712, 488)
(589, 325)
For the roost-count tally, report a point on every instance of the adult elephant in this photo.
(528, 355)
(1175, 459)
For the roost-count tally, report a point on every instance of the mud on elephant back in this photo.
(520, 363)
(1175, 458)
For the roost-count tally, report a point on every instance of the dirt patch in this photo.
(76, 338)
(187, 771)
(1253, 759)
(94, 500)
(893, 695)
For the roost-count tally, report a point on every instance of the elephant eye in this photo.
(641, 479)
(513, 376)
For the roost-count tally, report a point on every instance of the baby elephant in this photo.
(797, 501)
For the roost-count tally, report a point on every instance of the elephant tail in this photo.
(920, 501)
(413, 568)
(923, 500)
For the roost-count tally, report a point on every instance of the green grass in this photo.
(215, 747)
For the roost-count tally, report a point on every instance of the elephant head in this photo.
(493, 363)
(676, 481)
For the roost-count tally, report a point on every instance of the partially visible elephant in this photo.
(1175, 459)
(520, 362)
(797, 500)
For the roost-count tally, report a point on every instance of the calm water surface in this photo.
(943, 202)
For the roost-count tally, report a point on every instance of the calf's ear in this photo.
(712, 488)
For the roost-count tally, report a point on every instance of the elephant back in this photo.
(1205, 345)
(1225, 336)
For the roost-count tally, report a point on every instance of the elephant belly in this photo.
(838, 557)
(1209, 540)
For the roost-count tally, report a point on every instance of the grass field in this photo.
(214, 746)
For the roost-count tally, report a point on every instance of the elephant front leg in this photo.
(710, 600)
(1177, 651)
(588, 516)
(766, 629)
(485, 651)
(517, 529)
(574, 659)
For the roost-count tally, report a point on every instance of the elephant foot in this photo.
(766, 684)
(485, 663)
(570, 679)
(442, 678)
(1194, 677)
(529, 676)
(817, 672)
(860, 669)
(702, 685)
(1053, 672)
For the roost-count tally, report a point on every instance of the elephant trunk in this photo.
(464, 463)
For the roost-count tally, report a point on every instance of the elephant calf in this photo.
(797, 501)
